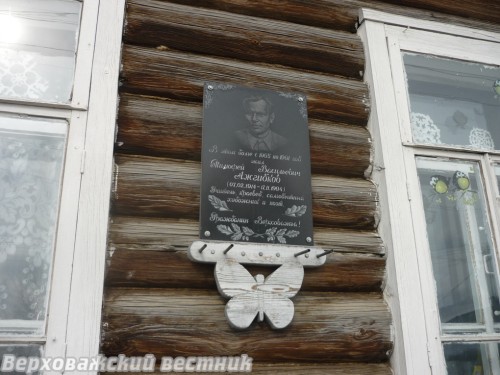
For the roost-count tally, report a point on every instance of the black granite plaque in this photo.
(256, 174)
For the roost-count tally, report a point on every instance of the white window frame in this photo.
(76, 290)
(409, 287)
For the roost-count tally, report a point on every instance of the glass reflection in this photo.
(453, 102)
(461, 247)
(10, 29)
(497, 173)
(31, 156)
(470, 359)
(38, 42)
(29, 350)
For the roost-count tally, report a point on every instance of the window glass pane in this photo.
(471, 359)
(37, 48)
(31, 156)
(461, 247)
(453, 102)
(497, 173)
(29, 350)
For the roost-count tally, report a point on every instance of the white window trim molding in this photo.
(410, 347)
(76, 288)
(85, 300)
(414, 23)
(417, 343)
(84, 56)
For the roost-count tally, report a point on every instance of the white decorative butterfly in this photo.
(251, 296)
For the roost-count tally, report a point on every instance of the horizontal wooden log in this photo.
(156, 234)
(135, 241)
(328, 14)
(179, 75)
(322, 369)
(485, 10)
(147, 186)
(288, 368)
(167, 269)
(343, 14)
(164, 128)
(193, 29)
(327, 327)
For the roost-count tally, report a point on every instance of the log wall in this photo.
(159, 302)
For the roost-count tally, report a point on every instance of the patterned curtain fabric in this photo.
(30, 173)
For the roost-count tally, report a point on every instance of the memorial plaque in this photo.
(256, 174)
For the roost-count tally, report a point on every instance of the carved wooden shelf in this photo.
(254, 253)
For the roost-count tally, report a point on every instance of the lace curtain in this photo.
(30, 174)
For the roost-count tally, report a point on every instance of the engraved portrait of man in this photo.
(258, 135)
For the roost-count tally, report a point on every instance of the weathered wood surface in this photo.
(152, 252)
(327, 327)
(159, 234)
(322, 369)
(290, 368)
(161, 187)
(486, 10)
(343, 14)
(154, 269)
(179, 75)
(205, 31)
(159, 302)
(148, 126)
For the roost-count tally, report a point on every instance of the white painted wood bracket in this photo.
(258, 254)
(260, 297)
